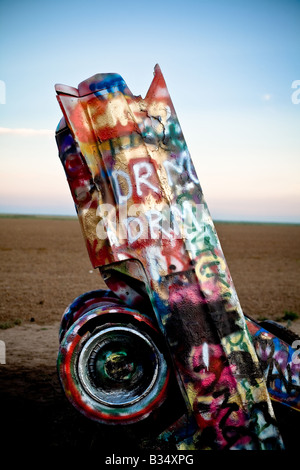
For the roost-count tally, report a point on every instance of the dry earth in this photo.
(44, 266)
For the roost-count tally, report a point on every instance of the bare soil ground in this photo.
(45, 265)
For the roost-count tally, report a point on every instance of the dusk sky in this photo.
(230, 67)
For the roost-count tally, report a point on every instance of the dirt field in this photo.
(44, 266)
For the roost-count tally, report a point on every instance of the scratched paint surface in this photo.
(138, 197)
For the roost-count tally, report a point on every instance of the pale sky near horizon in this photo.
(229, 67)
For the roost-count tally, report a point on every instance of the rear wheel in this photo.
(112, 365)
(84, 303)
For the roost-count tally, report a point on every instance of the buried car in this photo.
(167, 342)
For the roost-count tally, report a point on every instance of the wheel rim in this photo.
(113, 366)
(118, 366)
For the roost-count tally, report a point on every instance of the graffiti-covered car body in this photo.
(169, 333)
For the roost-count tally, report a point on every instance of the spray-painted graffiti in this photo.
(139, 201)
(281, 370)
(135, 223)
(212, 369)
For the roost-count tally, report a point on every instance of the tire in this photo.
(112, 365)
(84, 303)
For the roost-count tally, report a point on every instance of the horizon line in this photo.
(17, 215)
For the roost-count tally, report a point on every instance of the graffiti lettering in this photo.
(296, 345)
(177, 165)
(119, 188)
(230, 432)
(213, 274)
(135, 223)
(278, 373)
(280, 366)
(155, 218)
(142, 172)
(143, 175)
(134, 228)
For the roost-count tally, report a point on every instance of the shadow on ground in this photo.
(36, 414)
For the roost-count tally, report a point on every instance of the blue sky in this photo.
(229, 66)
